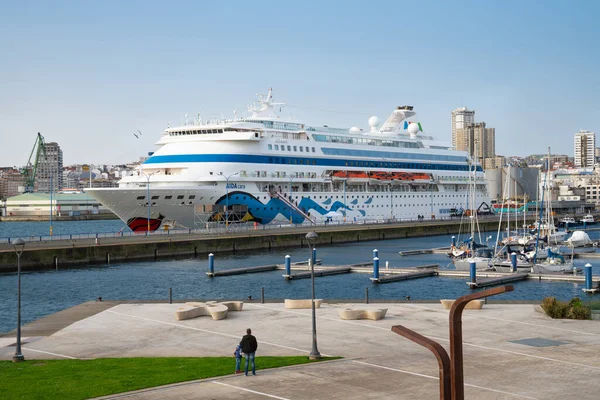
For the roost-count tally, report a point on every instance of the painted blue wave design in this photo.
(355, 202)
(338, 205)
(362, 212)
(327, 202)
(265, 213)
(369, 200)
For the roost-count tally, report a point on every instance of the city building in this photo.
(50, 169)
(585, 149)
(478, 140)
(460, 118)
(11, 180)
(494, 162)
(63, 204)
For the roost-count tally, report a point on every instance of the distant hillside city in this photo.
(574, 182)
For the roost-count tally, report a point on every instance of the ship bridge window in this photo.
(154, 197)
(141, 197)
(270, 147)
(168, 197)
(179, 197)
(276, 147)
(192, 197)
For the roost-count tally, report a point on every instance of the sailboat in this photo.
(472, 251)
(554, 262)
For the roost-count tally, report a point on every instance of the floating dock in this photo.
(435, 250)
(405, 276)
(320, 272)
(498, 280)
(245, 270)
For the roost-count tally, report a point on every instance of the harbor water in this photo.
(47, 292)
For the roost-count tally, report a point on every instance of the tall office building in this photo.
(50, 169)
(585, 147)
(477, 140)
(460, 118)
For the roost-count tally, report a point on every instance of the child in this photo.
(238, 359)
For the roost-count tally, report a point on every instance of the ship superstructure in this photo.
(262, 169)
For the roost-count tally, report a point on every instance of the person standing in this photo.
(249, 347)
(238, 359)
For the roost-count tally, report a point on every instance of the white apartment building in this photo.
(585, 146)
(460, 118)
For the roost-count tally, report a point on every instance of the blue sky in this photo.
(89, 74)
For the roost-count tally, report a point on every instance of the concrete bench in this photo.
(472, 305)
(349, 313)
(217, 311)
(302, 303)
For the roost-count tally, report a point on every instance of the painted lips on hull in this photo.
(140, 224)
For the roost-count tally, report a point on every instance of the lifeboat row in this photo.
(383, 176)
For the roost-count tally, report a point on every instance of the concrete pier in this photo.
(40, 253)
(404, 276)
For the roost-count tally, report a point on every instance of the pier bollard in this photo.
(584, 224)
(262, 295)
(453, 241)
(513, 261)
(387, 265)
(367, 295)
(108, 258)
(170, 295)
(314, 256)
(375, 253)
(288, 265)
(211, 264)
(473, 272)
(587, 272)
(375, 268)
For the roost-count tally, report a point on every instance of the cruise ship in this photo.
(263, 169)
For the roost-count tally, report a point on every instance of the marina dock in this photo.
(245, 270)
(498, 280)
(405, 276)
(321, 272)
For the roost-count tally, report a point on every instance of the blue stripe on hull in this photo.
(308, 161)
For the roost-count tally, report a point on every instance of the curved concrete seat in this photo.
(472, 305)
(216, 310)
(302, 303)
(233, 305)
(374, 315)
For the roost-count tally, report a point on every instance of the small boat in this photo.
(579, 239)
(568, 220)
(482, 258)
(588, 219)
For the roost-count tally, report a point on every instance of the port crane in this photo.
(30, 169)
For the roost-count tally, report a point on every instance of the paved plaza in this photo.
(562, 359)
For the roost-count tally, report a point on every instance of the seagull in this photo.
(140, 132)
(136, 136)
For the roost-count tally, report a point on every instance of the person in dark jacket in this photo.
(249, 346)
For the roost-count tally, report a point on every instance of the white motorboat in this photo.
(568, 220)
(588, 219)
(579, 239)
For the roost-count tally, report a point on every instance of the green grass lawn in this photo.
(82, 379)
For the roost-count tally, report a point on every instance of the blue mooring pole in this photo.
(314, 256)
(211, 264)
(513, 261)
(473, 271)
(375, 253)
(375, 267)
(584, 224)
(453, 241)
(587, 271)
(288, 265)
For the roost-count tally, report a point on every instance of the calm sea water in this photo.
(44, 293)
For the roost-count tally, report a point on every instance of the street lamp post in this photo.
(18, 245)
(227, 196)
(311, 237)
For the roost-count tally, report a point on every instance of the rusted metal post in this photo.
(456, 352)
(438, 351)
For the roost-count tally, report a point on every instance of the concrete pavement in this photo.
(378, 363)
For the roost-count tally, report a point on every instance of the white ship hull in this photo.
(264, 170)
